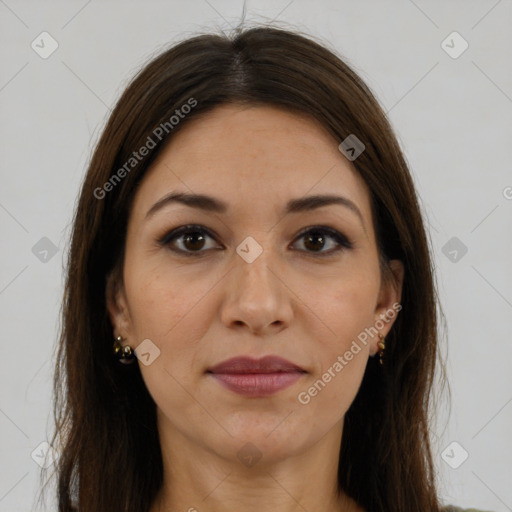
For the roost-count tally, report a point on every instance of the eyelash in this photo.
(342, 241)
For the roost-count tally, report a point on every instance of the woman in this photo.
(250, 313)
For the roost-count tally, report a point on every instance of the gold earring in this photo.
(382, 346)
(124, 355)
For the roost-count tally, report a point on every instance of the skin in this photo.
(290, 301)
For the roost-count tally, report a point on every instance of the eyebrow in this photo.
(212, 204)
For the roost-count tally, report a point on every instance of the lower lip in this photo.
(257, 384)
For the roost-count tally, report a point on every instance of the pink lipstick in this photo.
(256, 377)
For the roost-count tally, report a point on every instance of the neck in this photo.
(199, 480)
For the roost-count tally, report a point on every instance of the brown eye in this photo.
(189, 240)
(314, 241)
(317, 238)
(192, 240)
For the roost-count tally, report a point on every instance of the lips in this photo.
(256, 377)
(245, 365)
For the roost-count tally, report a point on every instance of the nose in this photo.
(257, 297)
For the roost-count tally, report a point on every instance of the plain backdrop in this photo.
(451, 108)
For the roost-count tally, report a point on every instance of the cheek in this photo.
(347, 307)
(158, 301)
(348, 311)
(341, 360)
(354, 310)
(163, 310)
(173, 312)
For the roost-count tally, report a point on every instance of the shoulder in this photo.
(453, 508)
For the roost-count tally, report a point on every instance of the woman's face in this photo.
(252, 279)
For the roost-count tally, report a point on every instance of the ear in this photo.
(117, 305)
(388, 303)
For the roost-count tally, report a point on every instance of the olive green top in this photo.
(453, 508)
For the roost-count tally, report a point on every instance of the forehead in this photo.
(256, 158)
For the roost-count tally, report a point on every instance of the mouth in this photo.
(256, 377)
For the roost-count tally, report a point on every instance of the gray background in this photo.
(451, 115)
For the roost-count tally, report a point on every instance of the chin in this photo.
(271, 439)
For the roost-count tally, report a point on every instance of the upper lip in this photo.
(245, 365)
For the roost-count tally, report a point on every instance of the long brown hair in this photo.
(106, 434)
